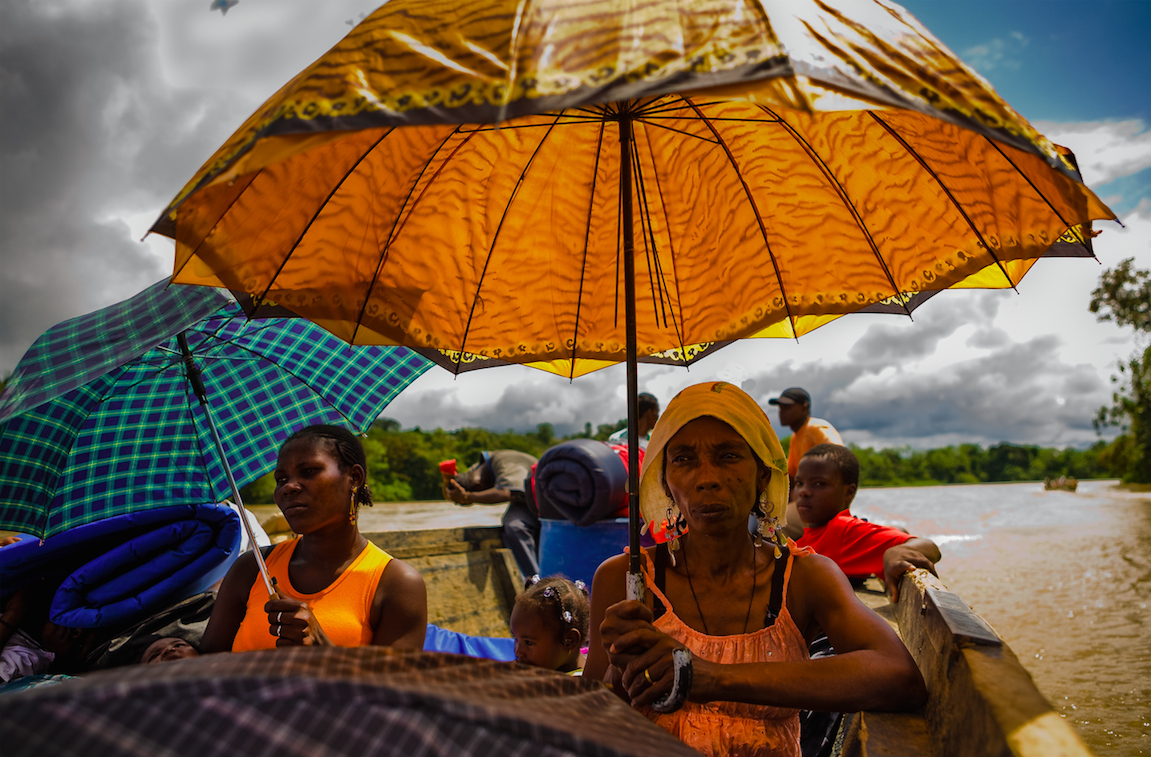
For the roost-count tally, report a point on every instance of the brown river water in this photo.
(1065, 578)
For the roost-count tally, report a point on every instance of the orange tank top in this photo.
(735, 729)
(344, 609)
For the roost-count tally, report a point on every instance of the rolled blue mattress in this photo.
(119, 570)
(582, 481)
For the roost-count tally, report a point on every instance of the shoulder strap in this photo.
(775, 603)
(660, 579)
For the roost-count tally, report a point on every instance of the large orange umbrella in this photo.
(571, 183)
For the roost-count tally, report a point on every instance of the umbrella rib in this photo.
(717, 119)
(847, 203)
(672, 107)
(677, 131)
(1026, 178)
(618, 235)
(495, 240)
(567, 121)
(947, 191)
(316, 215)
(758, 217)
(655, 280)
(383, 256)
(678, 306)
(217, 223)
(586, 239)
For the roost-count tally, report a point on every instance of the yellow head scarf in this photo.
(734, 407)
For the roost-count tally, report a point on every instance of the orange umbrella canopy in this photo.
(449, 177)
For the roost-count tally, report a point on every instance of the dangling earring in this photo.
(761, 519)
(768, 530)
(674, 526)
(352, 509)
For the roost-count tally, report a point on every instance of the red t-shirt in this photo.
(855, 545)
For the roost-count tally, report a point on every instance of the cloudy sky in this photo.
(108, 106)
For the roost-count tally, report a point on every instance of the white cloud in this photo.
(998, 52)
(1106, 150)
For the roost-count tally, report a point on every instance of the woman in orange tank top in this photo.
(336, 588)
(717, 652)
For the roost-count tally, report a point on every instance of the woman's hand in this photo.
(641, 651)
(294, 625)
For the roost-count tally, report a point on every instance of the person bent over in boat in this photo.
(717, 652)
(825, 486)
(503, 475)
(336, 588)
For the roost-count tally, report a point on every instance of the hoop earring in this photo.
(352, 509)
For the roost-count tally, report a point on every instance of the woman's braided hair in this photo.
(565, 602)
(346, 449)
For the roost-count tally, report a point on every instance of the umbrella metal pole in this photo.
(197, 382)
(635, 584)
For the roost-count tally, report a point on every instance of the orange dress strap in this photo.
(735, 729)
(343, 608)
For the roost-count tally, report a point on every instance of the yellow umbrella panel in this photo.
(506, 242)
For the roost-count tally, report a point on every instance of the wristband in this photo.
(681, 686)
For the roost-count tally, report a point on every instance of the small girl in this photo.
(550, 623)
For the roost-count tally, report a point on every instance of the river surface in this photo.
(1065, 578)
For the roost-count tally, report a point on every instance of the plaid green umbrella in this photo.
(99, 418)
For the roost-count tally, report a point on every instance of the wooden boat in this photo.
(982, 703)
(1063, 483)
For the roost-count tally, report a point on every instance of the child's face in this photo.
(820, 493)
(166, 649)
(538, 642)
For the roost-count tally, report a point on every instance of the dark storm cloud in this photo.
(525, 398)
(900, 340)
(1019, 393)
(90, 133)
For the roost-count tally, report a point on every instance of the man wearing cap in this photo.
(806, 432)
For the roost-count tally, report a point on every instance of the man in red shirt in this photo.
(825, 485)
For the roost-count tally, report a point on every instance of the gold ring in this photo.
(647, 675)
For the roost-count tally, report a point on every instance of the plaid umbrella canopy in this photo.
(330, 701)
(99, 419)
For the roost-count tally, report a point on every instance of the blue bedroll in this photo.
(119, 570)
(442, 640)
(575, 552)
(581, 480)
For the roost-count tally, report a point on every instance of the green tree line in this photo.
(403, 464)
(1124, 296)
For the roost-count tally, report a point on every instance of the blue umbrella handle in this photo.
(197, 382)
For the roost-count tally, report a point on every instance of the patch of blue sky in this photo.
(1053, 60)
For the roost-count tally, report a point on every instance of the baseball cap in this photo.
(792, 396)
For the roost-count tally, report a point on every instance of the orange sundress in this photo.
(735, 729)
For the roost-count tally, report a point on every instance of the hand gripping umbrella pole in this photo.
(197, 382)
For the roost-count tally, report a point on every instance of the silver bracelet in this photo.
(681, 685)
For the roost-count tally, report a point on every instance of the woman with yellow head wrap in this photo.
(725, 624)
